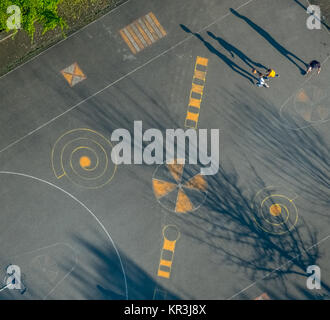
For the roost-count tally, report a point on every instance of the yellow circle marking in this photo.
(63, 173)
(85, 162)
(275, 210)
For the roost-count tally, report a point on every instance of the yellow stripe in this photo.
(192, 116)
(136, 39)
(128, 42)
(144, 35)
(161, 29)
(150, 28)
(166, 263)
(201, 75)
(195, 103)
(163, 274)
(197, 88)
(202, 61)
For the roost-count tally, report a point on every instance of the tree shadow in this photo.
(233, 50)
(284, 52)
(231, 64)
(103, 278)
(226, 222)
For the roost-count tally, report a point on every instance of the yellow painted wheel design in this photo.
(179, 188)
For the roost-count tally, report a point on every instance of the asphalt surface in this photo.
(76, 238)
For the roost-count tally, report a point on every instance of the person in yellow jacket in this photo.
(271, 74)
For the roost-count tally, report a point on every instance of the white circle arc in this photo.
(85, 207)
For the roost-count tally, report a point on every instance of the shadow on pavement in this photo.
(233, 50)
(286, 53)
(235, 67)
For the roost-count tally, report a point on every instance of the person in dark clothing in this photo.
(314, 65)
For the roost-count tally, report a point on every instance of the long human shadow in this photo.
(235, 67)
(233, 50)
(286, 53)
(305, 8)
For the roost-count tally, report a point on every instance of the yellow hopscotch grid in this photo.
(142, 33)
(196, 93)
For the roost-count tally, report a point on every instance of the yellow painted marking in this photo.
(162, 188)
(192, 116)
(183, 203)
(77, 71)
(73, 74)
(201, 75)
(195, 103)
(202, 61)
(57, 156)
(302, 96)
(163, 274)
(159, 26)
(85, 162)
(275, 210)
(166, 263)
(169, 245)
(135, 37)
(144, 35)
(128, 42)
(68, 77)
(197, 88)
(176, 171)
(150, 28)
(264, 296)
(197, 182)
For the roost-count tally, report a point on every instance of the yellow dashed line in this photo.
(197, 89)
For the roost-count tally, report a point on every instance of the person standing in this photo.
(314, 65)
(271, 74)
(261, 81)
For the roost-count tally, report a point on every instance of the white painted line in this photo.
(85, 207)
(277, 269)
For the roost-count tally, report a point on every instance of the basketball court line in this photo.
(121, 78)
(86, 208)
(47, 247)
(277, 269)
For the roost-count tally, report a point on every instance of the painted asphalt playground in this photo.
(80, 227)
